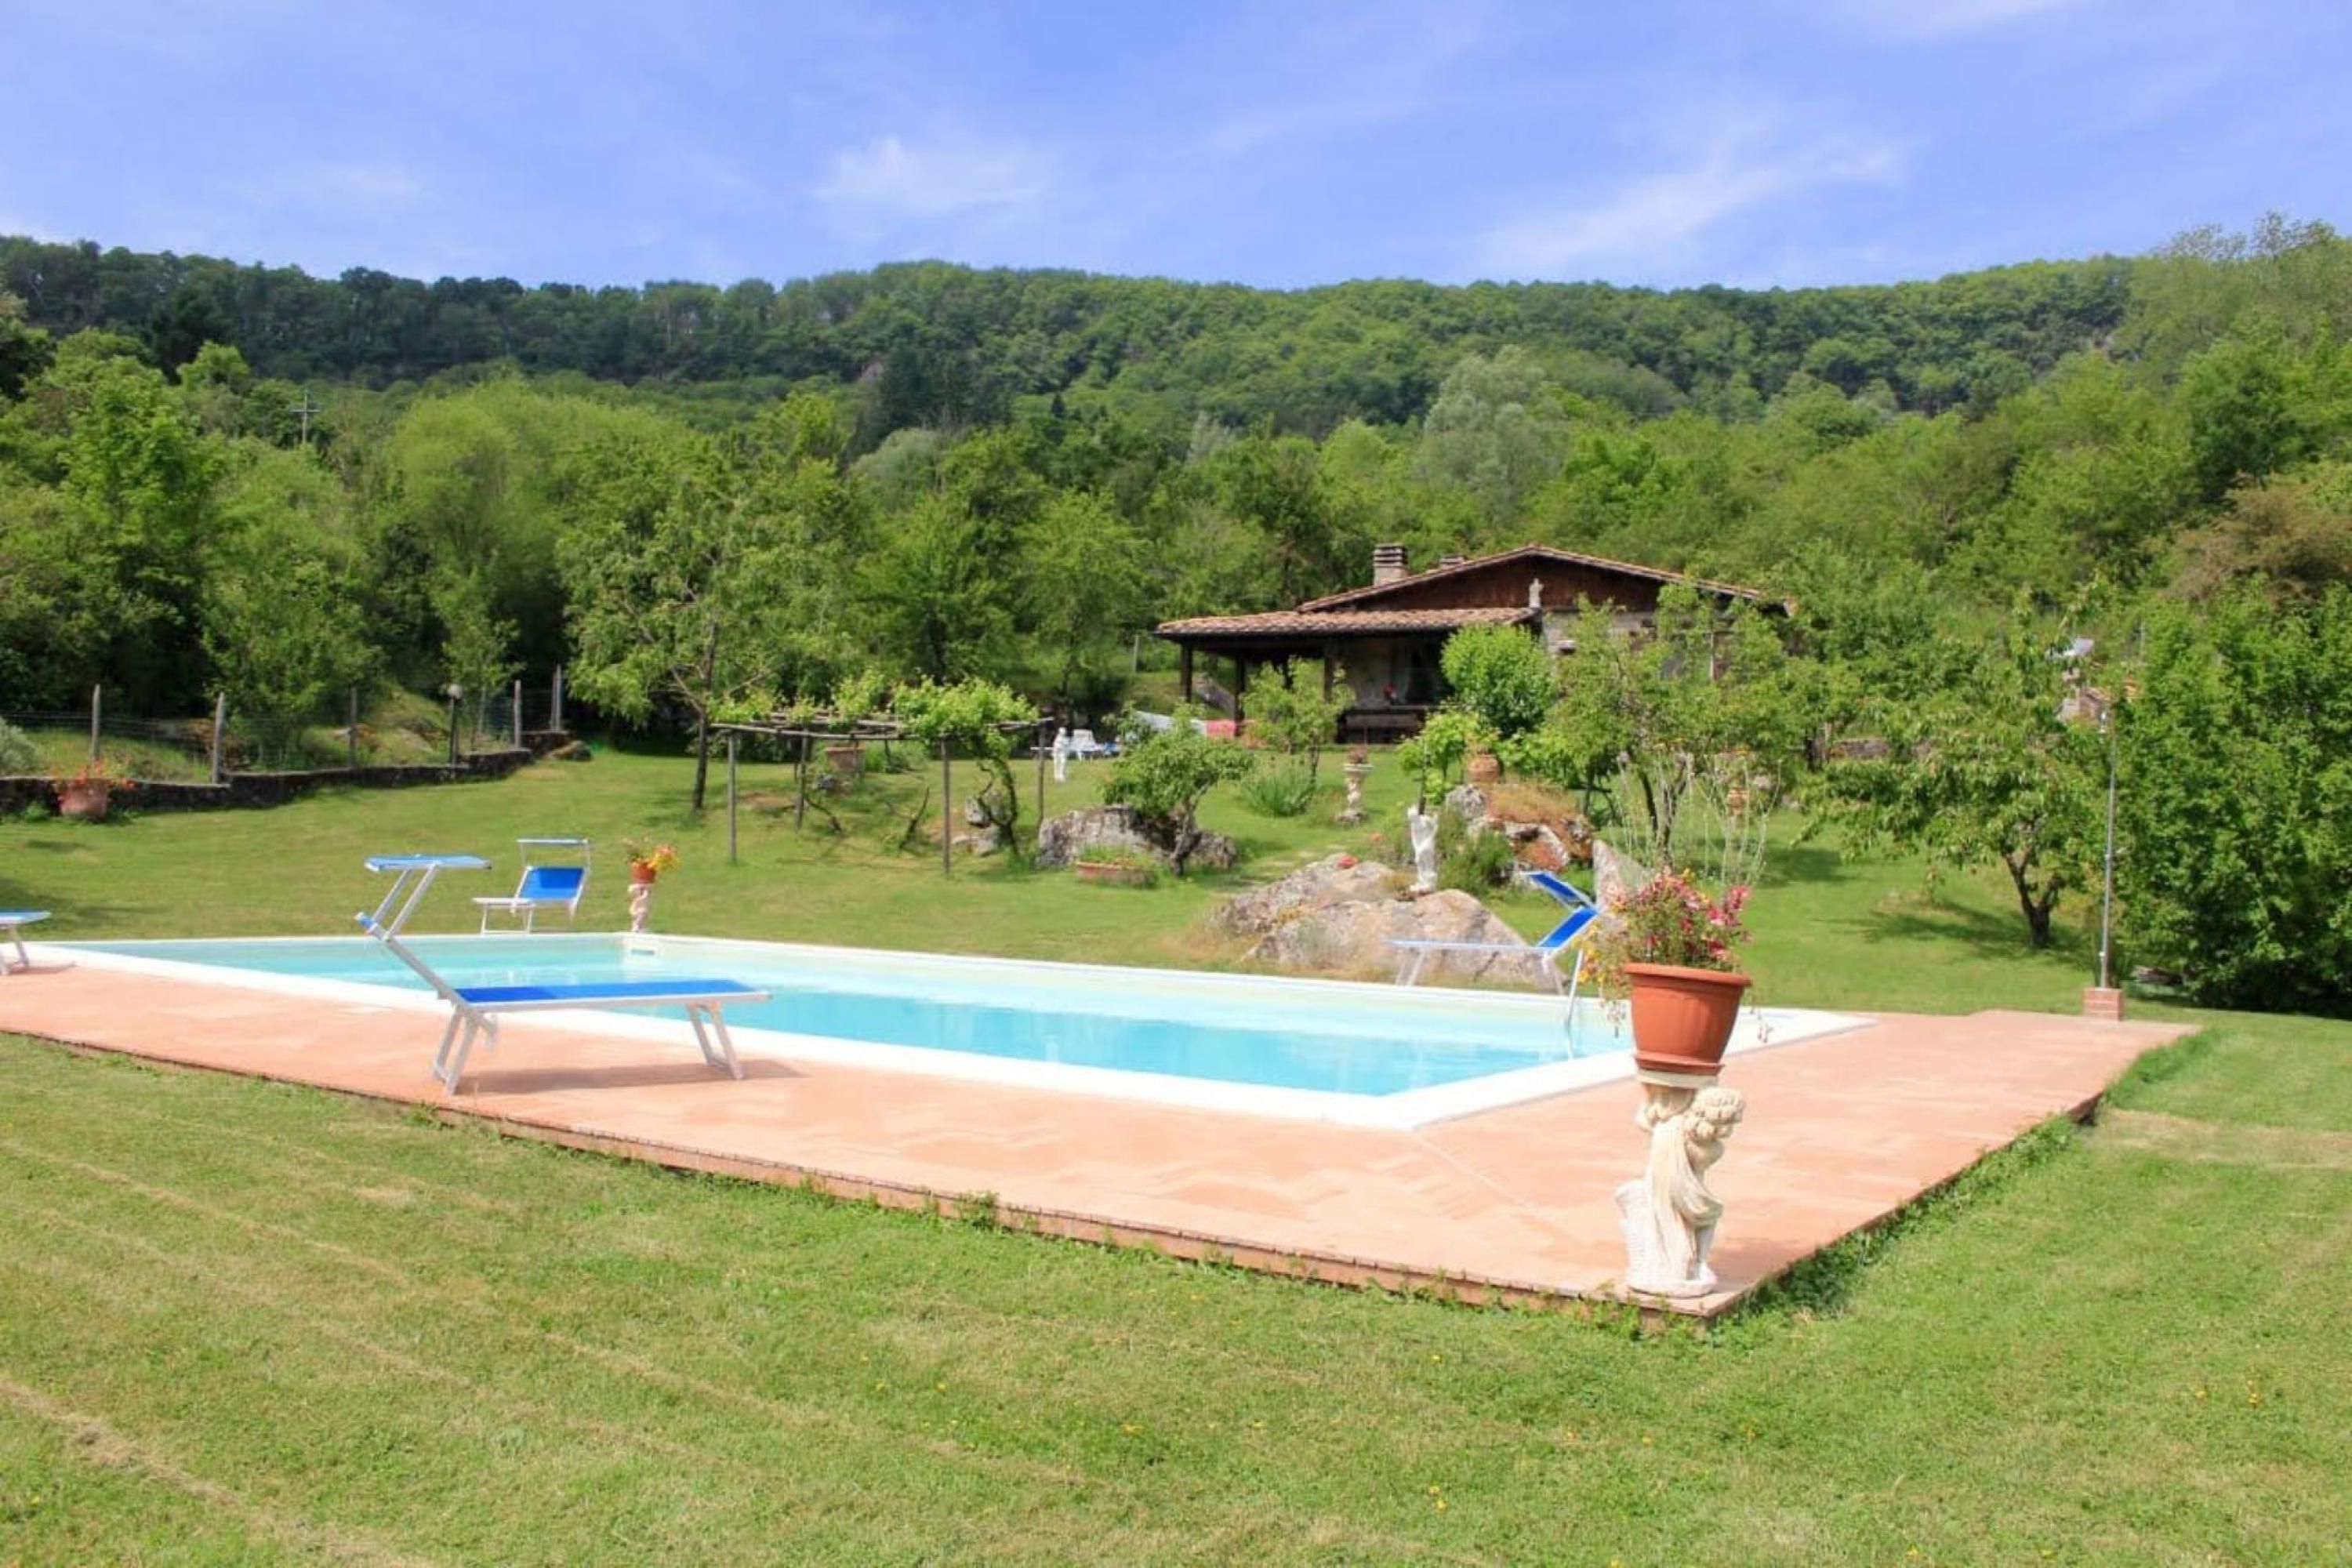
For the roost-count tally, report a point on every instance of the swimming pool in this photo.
(1372, 1055)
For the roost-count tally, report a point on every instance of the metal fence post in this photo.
(556, 722)
(351, 732)
(518, 715)
(220, 728)
(731, 738)
(94, 705)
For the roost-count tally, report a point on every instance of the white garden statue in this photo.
(1061, 755)
(1669, 1216)
(1423, 827)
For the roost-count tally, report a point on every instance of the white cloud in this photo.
(889, 179)
(1658, 212)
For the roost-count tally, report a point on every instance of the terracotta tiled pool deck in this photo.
(1515, 1203)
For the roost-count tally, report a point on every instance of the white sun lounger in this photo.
(474, 1010)
(11, 926)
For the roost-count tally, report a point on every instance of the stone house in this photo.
(1386, 634)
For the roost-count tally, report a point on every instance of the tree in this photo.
(1083, 596)
(1707, 708)
(1497, 430)
(1987, 769)
(1291, 712)
(674, 584)
(280, 619)
(973, 715)
(1165, 773)
(25, 349)
(1503, 675)
(2236, 810)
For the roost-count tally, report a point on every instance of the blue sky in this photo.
(1280, 142)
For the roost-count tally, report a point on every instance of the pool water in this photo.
(1331, 1039)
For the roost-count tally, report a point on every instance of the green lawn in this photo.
(1829, 932)
(241, 1323)
(245, 1323)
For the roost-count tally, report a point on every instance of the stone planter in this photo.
(1112, 875)
(847, 761)
(84, 802)
(1683, 1017)
(1484, 768)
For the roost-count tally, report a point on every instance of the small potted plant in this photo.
(1669, 952)
(649, 860)
(1118, 868)
(86, 794)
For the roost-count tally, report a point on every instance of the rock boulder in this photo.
(1340, 915)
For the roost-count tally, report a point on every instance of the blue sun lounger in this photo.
(1569, 936)
(474, 1010)
(542, 887)
(11, 926)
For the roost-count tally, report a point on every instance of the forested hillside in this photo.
(950, 345)
(216, 480)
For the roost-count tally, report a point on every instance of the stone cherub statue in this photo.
(1423, 827)
(1668, 1213)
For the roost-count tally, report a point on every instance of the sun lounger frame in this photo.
(474, 1010)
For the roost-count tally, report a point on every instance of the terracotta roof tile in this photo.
(1343, 623)
(1525, 551)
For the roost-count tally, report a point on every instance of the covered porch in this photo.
(1387, 661)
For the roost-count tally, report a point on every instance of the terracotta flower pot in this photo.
(1485, 768)
(84, 802)
(1115, 876)
(1683, 1017)
(641, 875)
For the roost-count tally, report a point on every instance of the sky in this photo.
(1277, 143)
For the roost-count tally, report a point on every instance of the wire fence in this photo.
(399, 730)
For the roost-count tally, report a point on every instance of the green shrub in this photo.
(1284, 789)
(18, 752)
(1472, 858)
(1163, 773)
(1503, 675)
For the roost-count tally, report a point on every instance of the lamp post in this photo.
(456, 693)
(2105, 1000)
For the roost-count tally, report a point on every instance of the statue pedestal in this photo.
(1669, 1216)
(641, 906)
(1354, 773)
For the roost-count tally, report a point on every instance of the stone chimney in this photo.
(1388, 564)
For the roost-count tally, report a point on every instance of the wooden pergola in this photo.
(838, 729)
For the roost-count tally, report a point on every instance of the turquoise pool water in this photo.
(1332, 1038)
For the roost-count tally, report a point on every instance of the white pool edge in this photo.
(1761, 1028)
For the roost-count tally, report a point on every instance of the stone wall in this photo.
(257, 790)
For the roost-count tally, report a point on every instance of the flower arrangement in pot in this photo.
(647, 860)
(86, 794)
(1669, 952)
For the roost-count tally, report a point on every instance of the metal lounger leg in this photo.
(476, 1027)
(721, 1054)
(1412, 976)
(24, 958)
(449, 1038)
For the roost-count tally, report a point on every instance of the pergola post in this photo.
(1241, 685)
(1184, 671)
